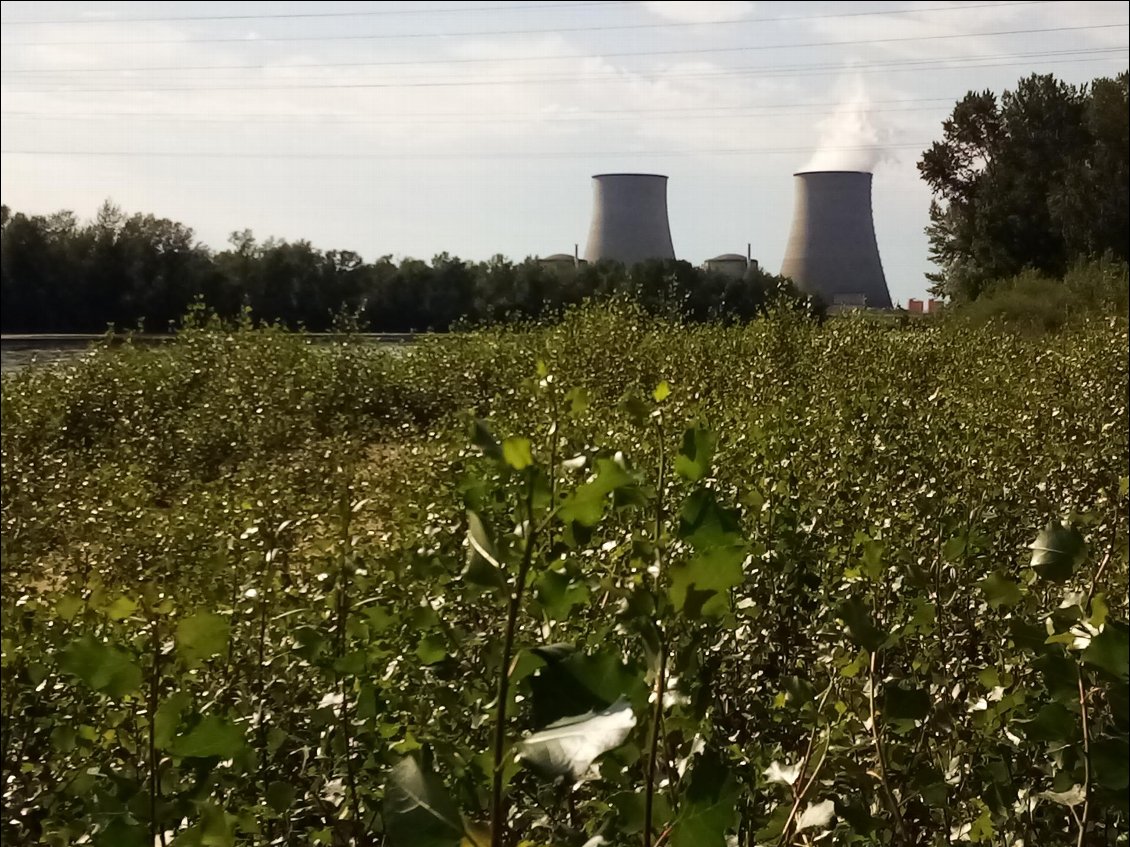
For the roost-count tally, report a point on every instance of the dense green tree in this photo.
(1035, 180)
(140, 270)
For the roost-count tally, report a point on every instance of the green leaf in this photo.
(432, 649)
(69, 606)
(905, 704)
(121, 609)
(569, 746)
(1110, 650)
(661, 392)
(213, 736)
(202, 636)
(1110, 758)
(103, 667)
(587, 503)
(705, 524)
(559, 595)
(484, 439)
(418, 811)
(999, 590)
(1057, 551)
(572, 683)
(708, 809)
(1054, 722)
(483, 565)
(217, 827)
(516, 453)
(693, 461)
(167, 718)
(638, 411)
(859, 625)
(700, 586)
(280, 795)
(578, 400)
(121, 832)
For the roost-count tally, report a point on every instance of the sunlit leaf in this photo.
(784, 774)
(483, 565)
(569, 746)
(1074, 796)
(816, 816)
(516, 453)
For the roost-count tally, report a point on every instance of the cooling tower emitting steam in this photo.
(832, 250)
(629, 219)
(851, 139)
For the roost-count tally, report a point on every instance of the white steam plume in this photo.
(851, 138)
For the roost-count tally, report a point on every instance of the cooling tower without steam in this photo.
(629, 219)
(832, 250)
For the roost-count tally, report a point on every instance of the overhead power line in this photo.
(714, 115)
(407, 62)
(829, 70)
(368, 13)
(389, 156)
(771, 70)
(475, 33)
(671, 110)
(455, 9)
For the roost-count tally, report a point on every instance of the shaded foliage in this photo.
(57, 275)
(1036, 179)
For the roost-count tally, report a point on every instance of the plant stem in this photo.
(1086, 756)
(877, 738)
(497, 810)
(808, 779)
(342, 621)
(653, 743)
(154, 785)
(661, 675)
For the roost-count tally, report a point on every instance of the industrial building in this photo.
(629, 219)
(831, 251)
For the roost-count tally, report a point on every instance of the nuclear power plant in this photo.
(831, 251)
(629, 219)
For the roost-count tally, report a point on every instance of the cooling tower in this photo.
(629, 219)
(832, 250)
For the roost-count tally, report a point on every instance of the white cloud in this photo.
(699, 12)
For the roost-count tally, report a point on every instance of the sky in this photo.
(411, 128)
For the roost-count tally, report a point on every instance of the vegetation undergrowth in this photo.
(615, 578)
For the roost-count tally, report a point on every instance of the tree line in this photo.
(63, 275)
(1033, 181)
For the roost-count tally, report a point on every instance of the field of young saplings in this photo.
(612, 581)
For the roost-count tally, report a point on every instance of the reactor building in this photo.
(629, 219)
(832, 251)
